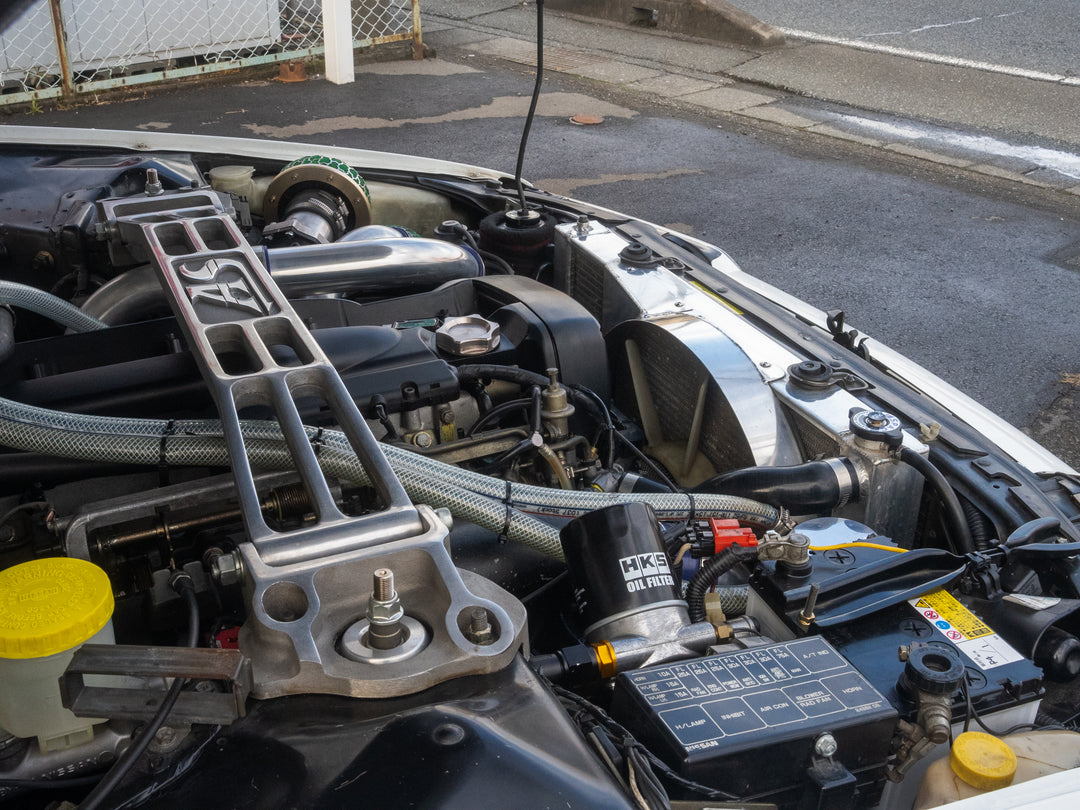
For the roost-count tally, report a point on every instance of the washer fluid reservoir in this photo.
(979, 763)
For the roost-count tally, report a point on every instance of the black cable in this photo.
(510, 455)
(491, 371)
(463, 232)
(954, 514)
(532, 105)
(707, 574)
(648, 462)
(497, 411)
(622, 735)
(974, 715)
(499, 261)
(1035, 727)
(552, 583)
(537, 408)
(184, 586)
(607, 423)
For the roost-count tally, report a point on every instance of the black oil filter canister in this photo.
(619, 570)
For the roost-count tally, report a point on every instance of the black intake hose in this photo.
(707, 574)
(816, 486)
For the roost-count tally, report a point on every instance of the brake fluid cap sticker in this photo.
(968, 632)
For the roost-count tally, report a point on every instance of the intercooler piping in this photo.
(491, 503)
(384, 266)
(816, 486)
(370, 267)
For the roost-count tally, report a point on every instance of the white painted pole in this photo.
(337, 35)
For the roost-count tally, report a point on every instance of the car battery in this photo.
(999, 678)
(711, 719)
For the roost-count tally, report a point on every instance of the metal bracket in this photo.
(216, 708)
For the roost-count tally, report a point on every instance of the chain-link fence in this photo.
(63, 47)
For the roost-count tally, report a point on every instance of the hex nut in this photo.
(825, 745)
(384, 612)
(226, 569)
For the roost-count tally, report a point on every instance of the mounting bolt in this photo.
(153, 183)
(384, 613)
(226, 568)
(903, 652)
(825, 745)
(480, 630)
(806, 615)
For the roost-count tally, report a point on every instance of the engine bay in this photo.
(397, 492)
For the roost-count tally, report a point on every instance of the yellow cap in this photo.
(51, 605)
(983, 761)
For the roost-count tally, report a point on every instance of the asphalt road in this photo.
(975, 279)
(1030, 34)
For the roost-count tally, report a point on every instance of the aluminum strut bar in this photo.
(241, 329)
(305, 589)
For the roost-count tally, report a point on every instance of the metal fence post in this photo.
(60, 33)
(338, 38)
(417, 37)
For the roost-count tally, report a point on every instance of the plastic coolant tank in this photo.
(979, 763)
(417, 209)
(48, 608)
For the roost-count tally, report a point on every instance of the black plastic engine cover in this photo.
(541, 327)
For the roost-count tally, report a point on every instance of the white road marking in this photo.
(938, 25)
(1063, 163)
(923, 56)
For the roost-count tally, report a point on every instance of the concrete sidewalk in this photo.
(1021, 129)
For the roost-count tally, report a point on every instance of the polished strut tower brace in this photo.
(305, 588)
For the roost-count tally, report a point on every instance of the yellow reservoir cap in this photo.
(983, 761)
(51, 605)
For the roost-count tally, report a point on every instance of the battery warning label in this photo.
(971, 635)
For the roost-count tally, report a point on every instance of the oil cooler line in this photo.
(494, 504)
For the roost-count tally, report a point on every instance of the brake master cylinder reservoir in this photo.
(48, 609)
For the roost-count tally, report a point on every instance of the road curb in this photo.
(750, 99)
(707, 19)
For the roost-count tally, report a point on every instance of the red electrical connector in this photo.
(727, 533)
